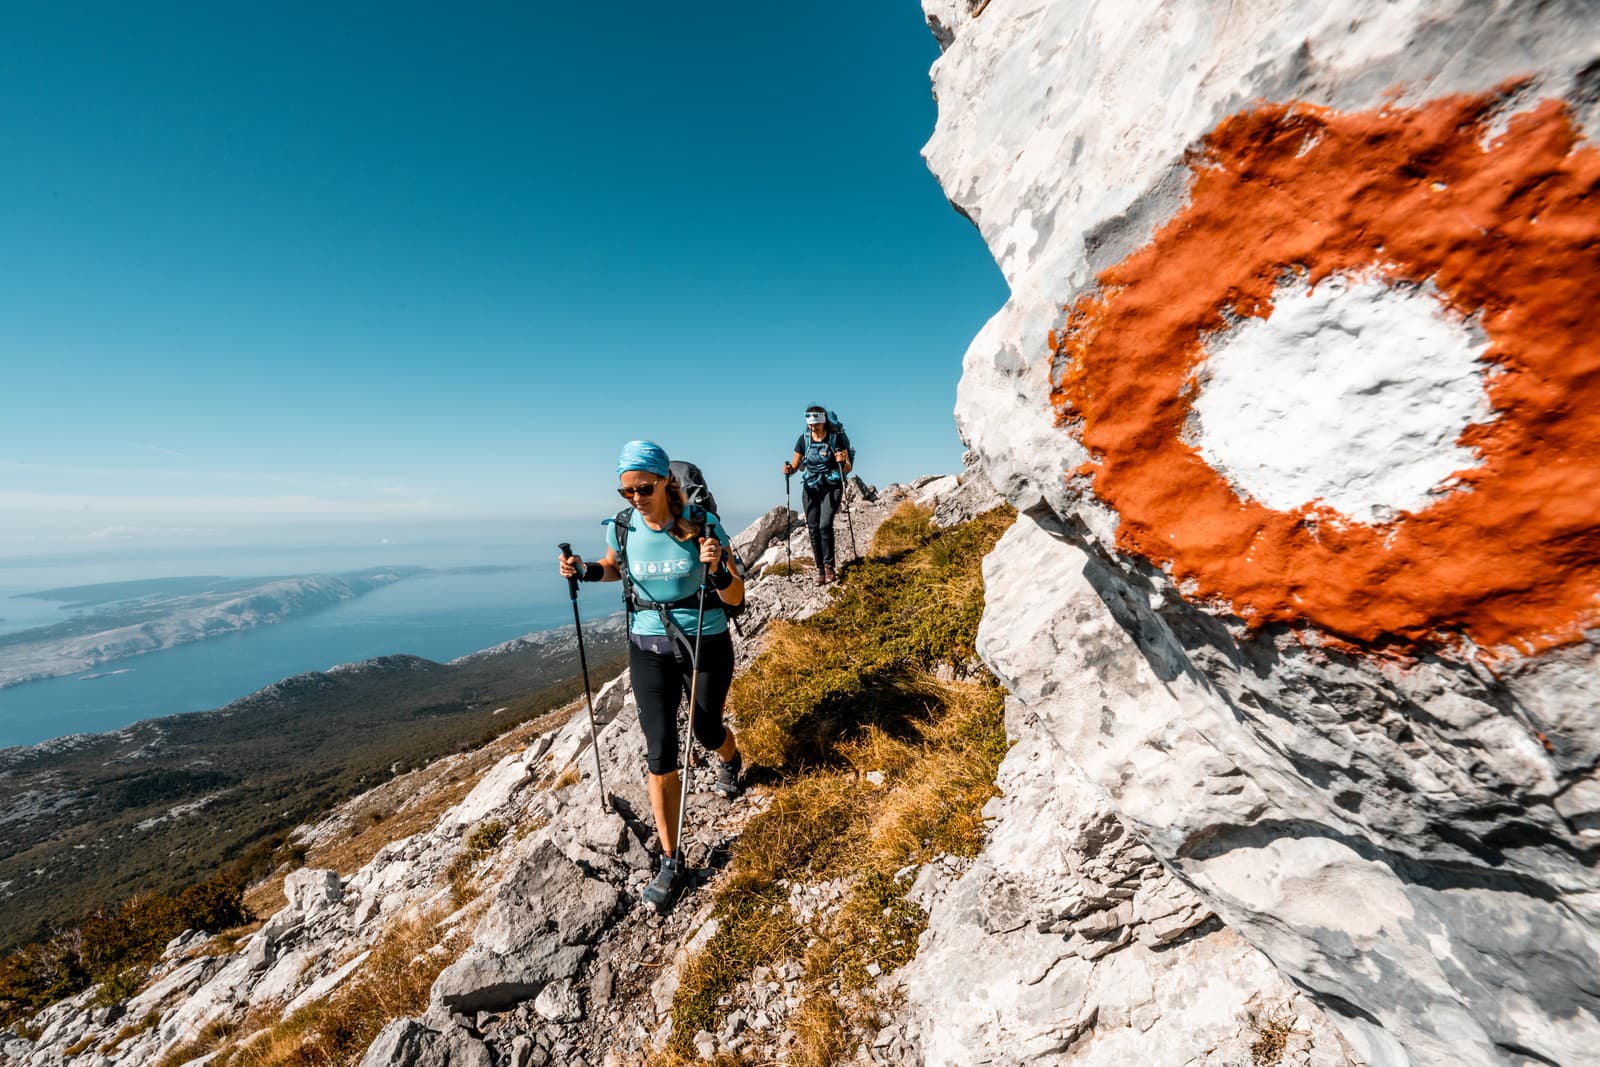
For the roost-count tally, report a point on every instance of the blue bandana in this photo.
(643, 456)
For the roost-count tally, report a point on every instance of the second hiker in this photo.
(657, 546)
(824, 452)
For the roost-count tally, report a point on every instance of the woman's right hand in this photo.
(571, 566)
(788, 468)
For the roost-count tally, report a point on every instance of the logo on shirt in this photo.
(661, 569)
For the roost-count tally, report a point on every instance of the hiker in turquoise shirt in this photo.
(663, 571)
(824, 453)
(667, 546)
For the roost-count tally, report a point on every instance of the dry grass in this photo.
(486, 837)
(1273, 1030)
(820, 1032)
(480, 843)
(799, 565)
(853, 665)
(883, 765)
(908, 529)
(392, 983)
(668, 1058)
(149, 1022)
(213, 1036)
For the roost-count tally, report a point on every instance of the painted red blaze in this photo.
(1509, 234)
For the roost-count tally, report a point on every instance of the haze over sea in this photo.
(483, 585)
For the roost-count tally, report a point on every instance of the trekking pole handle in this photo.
(572, 582)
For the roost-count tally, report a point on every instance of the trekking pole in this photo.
(688, 727)
(788, 523)
(849, 519)
(588, 695)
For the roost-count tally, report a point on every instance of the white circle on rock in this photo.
(1353, 394)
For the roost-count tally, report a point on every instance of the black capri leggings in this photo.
(659, 685)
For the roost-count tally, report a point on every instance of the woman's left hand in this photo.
(710, 551)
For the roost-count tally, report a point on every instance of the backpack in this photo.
(835, 477)
(695, 490)
(700, 502)
(835, 428)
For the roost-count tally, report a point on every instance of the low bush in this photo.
(486, 837)
(113, 947)
(798, 565)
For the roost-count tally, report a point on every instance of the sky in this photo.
(271, 269)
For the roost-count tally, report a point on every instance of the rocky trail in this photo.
(526, 880)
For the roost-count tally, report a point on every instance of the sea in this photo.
(478, 591)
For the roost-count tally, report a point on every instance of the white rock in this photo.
(492, 792)
(1384, 831)
(308, 890)
(559, 1002)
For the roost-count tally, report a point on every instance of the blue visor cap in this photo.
(644, 456)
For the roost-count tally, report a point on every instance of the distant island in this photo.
(149, 615)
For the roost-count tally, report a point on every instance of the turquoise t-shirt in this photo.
(666, 569)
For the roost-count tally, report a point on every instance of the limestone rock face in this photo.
(538, 929)
(409, 1043)
(1068, 941)
(1305, 586)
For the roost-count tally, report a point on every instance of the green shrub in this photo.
(114, 947)
(486, 837)
(798, 565)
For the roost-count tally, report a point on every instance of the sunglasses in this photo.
(628, 492)
(815, 417)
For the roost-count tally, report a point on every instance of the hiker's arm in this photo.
(610, 571)
(715, 553)
(842, 455)
(793, 464)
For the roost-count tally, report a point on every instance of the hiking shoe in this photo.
(820, 579)
(727, 782)
(665, 883)
(828, 574)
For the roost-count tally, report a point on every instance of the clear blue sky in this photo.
(358, 263)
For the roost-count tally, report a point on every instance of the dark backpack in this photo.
(695, 490)
(835, 428)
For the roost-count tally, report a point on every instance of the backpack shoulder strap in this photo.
(623, 520)
(620, 523)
